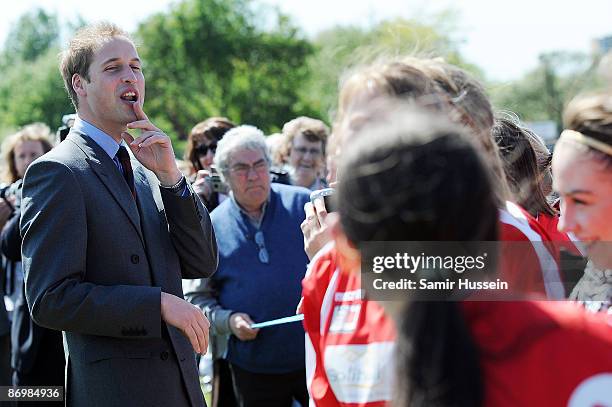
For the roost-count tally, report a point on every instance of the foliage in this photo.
(31, 36)
(208, 58)
(341, 49)
(33, 92)
(31, 88)
(542, 93)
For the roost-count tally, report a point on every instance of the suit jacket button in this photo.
(164, 355)
(135, 259)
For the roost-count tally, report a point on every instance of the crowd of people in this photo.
(140, 258)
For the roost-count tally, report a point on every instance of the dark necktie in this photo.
(124, 159)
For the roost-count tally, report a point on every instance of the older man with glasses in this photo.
(261, 265)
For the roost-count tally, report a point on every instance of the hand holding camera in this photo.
(315, 230)
(207, 182)
(201, 186)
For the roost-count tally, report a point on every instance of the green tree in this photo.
(542, 93)
(31, 88)
(210, 57)
(32, 35)
(340, 49)
(32, 92)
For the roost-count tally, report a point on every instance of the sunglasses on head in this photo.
(202, 149)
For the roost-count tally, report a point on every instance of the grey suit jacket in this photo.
(96, 262)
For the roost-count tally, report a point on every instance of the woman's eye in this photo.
(579, 201)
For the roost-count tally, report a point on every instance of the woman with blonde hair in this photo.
(23, 147)
(303, 151)
(582, 175)
(37, 354)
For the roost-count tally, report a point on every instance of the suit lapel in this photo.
(106, 170)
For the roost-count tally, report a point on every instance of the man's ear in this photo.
(78, 85)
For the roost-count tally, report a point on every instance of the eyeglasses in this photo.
(263, 252)
(242, 170)
(202, 149)
(303, 150)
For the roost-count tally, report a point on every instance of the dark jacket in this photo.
(96, 261)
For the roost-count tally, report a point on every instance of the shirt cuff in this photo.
(178, 189)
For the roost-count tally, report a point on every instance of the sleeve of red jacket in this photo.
(314, 287)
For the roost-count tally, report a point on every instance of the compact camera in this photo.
(215, 181)
(327, 194)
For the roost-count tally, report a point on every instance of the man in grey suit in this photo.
(106, 239)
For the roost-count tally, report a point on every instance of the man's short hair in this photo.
(77, 58)
(243, 137)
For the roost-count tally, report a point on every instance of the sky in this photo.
(504, 38)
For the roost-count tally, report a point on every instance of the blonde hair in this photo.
(32, 132)
(382, 78)
(275, 143)
(429, 82)
(312, 129)
(77, 58)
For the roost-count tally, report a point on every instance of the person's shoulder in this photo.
(291, 192)
(522, 325)
(517, 224)
(67, 152)
(574, 320)
(321, 268)
(66, 161)
(50, 163)
(317, 281)
(221, 212)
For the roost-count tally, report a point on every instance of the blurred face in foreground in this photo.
(585, 188)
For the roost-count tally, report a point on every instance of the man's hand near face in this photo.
(152, 148)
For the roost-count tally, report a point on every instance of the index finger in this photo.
(311, 215)
(320, 208)
(142, 125)
(309, 211)
(140, 114)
